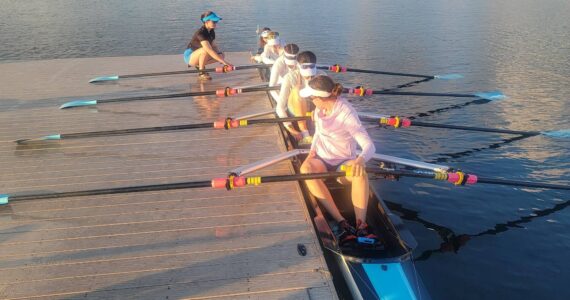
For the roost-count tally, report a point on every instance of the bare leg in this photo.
(318, 188)
(360, 195)
(200, 58)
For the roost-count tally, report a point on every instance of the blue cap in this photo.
(211, 17)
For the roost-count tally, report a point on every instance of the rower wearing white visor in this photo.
(337, 132)
(289, 103)
(272, 49)
(283, 65)
(263, 39)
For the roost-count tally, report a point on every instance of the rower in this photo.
(263, 39)
(272, 49)
(202, 50)
(289, 103)
(283, 65)
(337, 132)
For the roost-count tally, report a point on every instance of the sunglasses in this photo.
(308, 66)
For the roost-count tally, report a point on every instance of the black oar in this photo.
(460, 178)
(228, 183)
(457, 178)
(225, 92)
(340, 69)
(398, 122)
(361, 91)
(226, 123)
(224, 69)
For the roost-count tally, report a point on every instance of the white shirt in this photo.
(278, 72)
(269, 55)
(337, 134)
(290, 80)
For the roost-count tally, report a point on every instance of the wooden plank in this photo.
(193, 243)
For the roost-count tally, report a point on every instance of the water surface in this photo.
(516, 240)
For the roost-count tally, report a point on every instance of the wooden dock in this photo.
(181, 244)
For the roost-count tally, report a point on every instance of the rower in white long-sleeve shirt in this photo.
(272, 49)
(290, 103)
(283, 65)
(337, 132)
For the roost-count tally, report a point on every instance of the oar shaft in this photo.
(219, 93)
(182, 95)
(214, 183)
(191, 71)
(389, 73)
(119, 190)
(454, 177)
(523, 183)
(135, 130)
(471, 128)
(424, 94)
(154, 97)
(162, 73)
(338, 69)
(227, 123)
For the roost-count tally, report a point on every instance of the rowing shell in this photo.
(383, 270)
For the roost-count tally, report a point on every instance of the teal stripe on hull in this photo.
(390, 281)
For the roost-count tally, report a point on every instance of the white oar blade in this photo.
(565, 133)
(53, 137)
(492, 95)
(448, 76)
(78, 103)
(104, 78)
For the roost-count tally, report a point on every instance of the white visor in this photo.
(309, 91)
(274, 42)
(308, 69)
(290, 59)
(265, 33)
(290, 62)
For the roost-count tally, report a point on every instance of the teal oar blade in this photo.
(78, 103)
(491, 95)
(104, 78)
(52, 137)
(4, 199)
(565, 133)
(448, 76)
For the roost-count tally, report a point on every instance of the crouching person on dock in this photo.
(337, 132)
(202, 50)
(289, 102)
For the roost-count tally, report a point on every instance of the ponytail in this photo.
(337, 90)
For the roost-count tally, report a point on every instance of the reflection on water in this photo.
(520, 47)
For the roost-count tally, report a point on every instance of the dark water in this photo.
(516, 241)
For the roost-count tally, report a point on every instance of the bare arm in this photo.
(213, 53)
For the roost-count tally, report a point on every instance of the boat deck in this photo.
(191, 244)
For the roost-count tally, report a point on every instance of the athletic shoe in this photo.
(204, 76)
(345, 232)
(363, 230)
